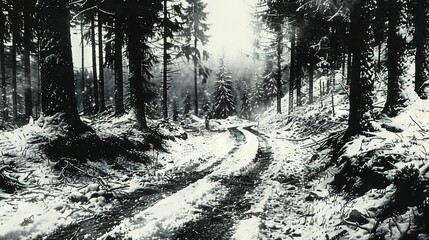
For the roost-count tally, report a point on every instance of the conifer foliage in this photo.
(224, 105)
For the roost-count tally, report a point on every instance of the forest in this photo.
(319, 131)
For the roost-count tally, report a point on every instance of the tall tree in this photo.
(15, 25)
(57, 64)
(397, 97)
(102, 102)
(362, 78)
(142, 17)
(224, 105)
(119, 75)
(420, 35)
(28, 10)
(96, 106)
(170, 25)
(292, 73)
(3, 62)
(194, 33)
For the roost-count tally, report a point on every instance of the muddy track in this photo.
(129, 205)
(217, 222)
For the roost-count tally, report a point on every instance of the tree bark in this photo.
(292, 67)
(195, 79)
(279, 68)
(94, 66)
(136, 76)
(3, 67)
(82, 80)
(15, 30)
(119, 75)
(420, 41)
(311, 76)
(362, 79)
(28, 97)
(101, 63)
(57, 64)
(165, 65)
(397, 98)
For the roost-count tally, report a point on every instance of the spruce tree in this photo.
(397, 66)
(194, 30)
(362, 78)
(224, 105)
(58, 91)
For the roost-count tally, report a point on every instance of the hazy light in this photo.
(230, 30)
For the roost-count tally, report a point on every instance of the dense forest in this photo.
(347, 72)
(295, 41)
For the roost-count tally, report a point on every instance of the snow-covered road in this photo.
(169, 209)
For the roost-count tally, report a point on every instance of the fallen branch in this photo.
(418, 125)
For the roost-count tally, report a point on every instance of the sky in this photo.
(230, 28)
(230, 32)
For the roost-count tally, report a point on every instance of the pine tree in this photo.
(224, 105)
(194, 32)
(3, 36)
(421, 19)
(119, 75)
(397, 66)
(362, 79)
(56, 60)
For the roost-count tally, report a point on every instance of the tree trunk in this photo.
(397, 97)
(195, 79)
(82, 80)
(57, 64)
(311, 76)
(94, 66)
(362, 79)
(279, 68)
(101, 63)
(119, 75)
(3, 67)
(28, 98)
(292, 68)
(298, 69)
(165, 65)
(420, 41)
(14, 67)
(135, 65)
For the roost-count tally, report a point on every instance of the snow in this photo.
(169, 213)
(294, 198)
(248, 229)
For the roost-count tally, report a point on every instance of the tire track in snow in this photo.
(137, 201)
(217, 222)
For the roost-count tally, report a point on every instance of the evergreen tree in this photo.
(362, 79)
(3, 38)
(119, 75)
(56, 63)
(194, 32)
(397, 97)
(421, 10)
(224, 105)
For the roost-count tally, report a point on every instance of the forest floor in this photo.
(281, 177)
